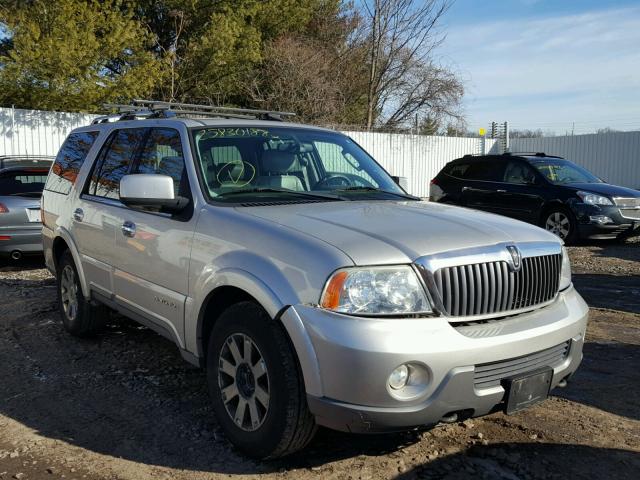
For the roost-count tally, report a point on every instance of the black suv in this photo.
(546, 190)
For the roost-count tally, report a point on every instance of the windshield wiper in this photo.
(279, 190)
(373, 189)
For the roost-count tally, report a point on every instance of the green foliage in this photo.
(74, 55)
(314, 57)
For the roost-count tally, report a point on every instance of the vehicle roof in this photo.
(523, 156)
(22, 161)
(200, 122)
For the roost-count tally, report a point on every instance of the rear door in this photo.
(97, 216)
(481, 183)
(152, 252)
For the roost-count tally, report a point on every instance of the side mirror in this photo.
(151, 191)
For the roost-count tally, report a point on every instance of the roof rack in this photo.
(160, 109)
(531, 154)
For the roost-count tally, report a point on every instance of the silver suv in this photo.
(313, 289)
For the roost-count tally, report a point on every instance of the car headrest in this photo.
(278, 161)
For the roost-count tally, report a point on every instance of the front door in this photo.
(153, 248)
(520, 195)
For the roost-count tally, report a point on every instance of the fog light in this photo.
(399, 377)
(601, 219)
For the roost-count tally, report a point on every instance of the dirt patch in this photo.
(126, 406)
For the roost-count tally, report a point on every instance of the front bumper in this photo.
(620, 225)
(24, 240)
(346, 361)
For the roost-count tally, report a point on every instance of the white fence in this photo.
(419, 158)
(614, 157)
(35, 132)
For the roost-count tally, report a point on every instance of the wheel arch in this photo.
(62, 242)
(221, 297)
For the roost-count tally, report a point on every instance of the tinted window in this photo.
(114, 162)
(69, 160)
(519, 172)
(458, 170)
(162, 155)
(23, 182)
(487, 170)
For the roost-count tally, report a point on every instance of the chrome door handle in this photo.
(129, 229)
(501, 191)
(78, 214)
(464, 189)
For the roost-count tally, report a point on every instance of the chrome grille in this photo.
(489, 375)
(492, 287)
(626, 202)
(631, 213)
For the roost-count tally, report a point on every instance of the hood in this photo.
(605, 189)
(387, 232)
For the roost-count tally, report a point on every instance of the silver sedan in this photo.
(22, 179)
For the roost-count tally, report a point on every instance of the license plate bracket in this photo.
(527, 389)
(33, 214)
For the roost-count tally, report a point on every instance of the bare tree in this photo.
(403, 77)
(298, 75)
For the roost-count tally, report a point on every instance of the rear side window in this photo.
(458, 170)
(114, 162)
(70, 158)
(489, 170)
(162, 155)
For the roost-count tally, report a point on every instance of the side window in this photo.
(69, 160)
(162, 155)
(114, 162)
(519, 172)
(485, 170)
(458, 170)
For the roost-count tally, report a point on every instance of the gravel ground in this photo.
(125, 406)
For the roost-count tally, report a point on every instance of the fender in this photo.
(75, 253)
(274, 306)
(226, 277)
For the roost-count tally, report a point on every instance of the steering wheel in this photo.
(333, 181)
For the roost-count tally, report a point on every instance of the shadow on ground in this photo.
(613, 292)
(607, 379)
(514, 461)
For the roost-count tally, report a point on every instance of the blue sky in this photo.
(556, 65)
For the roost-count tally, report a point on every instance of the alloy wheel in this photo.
(559, 224)
(243, 382)
(69, 292)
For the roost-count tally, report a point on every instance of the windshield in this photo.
(238, 163)
(23, 182)
(563, 171)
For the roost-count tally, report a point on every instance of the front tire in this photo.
(562, 223)
(79, 317)
(256, 385)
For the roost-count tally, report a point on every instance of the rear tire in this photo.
(562, 223)
(250, 363)
(79, 317)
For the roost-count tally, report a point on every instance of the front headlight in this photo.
(392, 290)
(565, 273)
(594, 198)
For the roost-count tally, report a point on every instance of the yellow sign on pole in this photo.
(482, 131)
